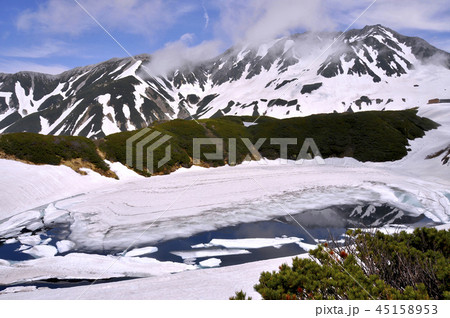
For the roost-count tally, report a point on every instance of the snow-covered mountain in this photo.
(373, 68)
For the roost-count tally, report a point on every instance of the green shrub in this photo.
(46, 149)
(369, 266)
(182, 134)
(240, 295)
(365, 136)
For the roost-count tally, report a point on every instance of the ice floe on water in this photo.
(251, 242)
(52, 215)
(141, 251)
(23, 248)
(308, 247)
(30, 239)
(10, 241)
(210, 262)
(41, 251)
(65, 246)
(194, 254)
(12, 226)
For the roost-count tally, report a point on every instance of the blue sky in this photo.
(55, 35)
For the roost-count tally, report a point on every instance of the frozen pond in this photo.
(230, 245)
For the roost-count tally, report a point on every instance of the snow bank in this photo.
(86, 266)
(213, 283)
(18, 289)
(249, 124)
(122, 172)
(4, 262)
(24, 186)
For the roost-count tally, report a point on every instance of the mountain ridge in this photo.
(373, 68)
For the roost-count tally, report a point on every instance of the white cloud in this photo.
(262, 20)
(256, 21)
(46, 49)
(14, 66)
(131, 16)
(180, 53)
(399, 14)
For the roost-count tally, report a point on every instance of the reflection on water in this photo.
(263, 229)
(326, 224)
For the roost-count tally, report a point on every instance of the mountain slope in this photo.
(374, 68)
